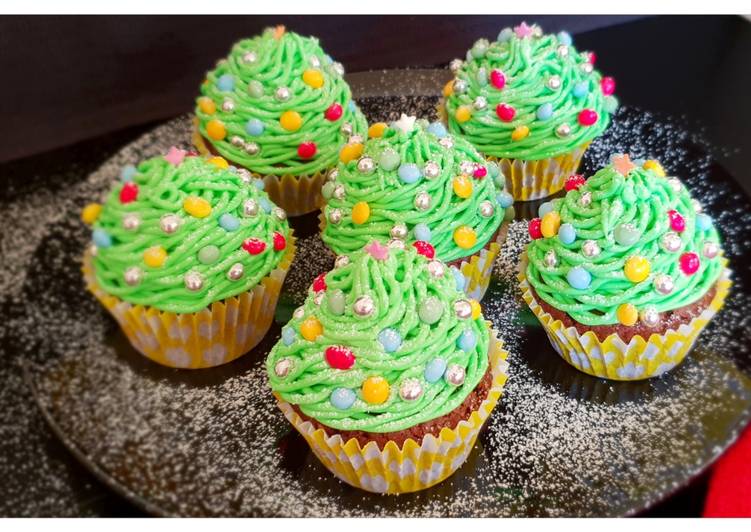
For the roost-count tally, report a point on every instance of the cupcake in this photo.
(414, 183)
(189, 256)
(387, 370)
(532, 103)
(625, 271)
(279, 107)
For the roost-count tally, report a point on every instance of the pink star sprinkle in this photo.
(377, 250)
(622, 164)
(522, 30)
(175, 155)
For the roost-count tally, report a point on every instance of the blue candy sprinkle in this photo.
(229, 222)
(265, 204)
(566, 233)
(422, 232)
(434, 370)
(288, 335)
(545, 208)
(493, 170)
(467, 340)
(128, 173)
(226, 82)
(505, 35)
(504, 199)
(254, 127)
(342, 398)
(482, 76)
(545, 111)
(437, 129)
(101, 238)
(611, 104)
(328, 59)
(581, 89)
(459, 278)
(579, 278)
(390, 339)
(352, 106)
(409, 173)
(564, 38)
(259, 184)
(703, 222)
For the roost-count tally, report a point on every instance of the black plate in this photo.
(212, 442)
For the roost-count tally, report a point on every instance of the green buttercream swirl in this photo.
(391, 200)
(642, 199)
(280, 63)
(162, 188)
(527, 64)
(397, 285)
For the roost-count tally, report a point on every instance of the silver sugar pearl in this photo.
(282, 94)
(298, 313)
(650, 317)
(587, 67)
(447, 142)
(283, 367)
(250, 57)
(553, 83)
(314, 61)
(333, 174)
(250, 207)
(663, 283)
(335, 216)
(251, 148)
(410, 389)
(455, 65)
(228, 106)
(346, 129)
(422, 201)
(467, 168)
(237, 141)
(363, 306)
(562, 50)
(318, 298)
(431, 170)
(355, 139)
(366, 165)
(671, 242)
(244, 175)
(480, 103)
(437, 269)
(460, 86)
(563, 131)
(396, 243)
(133, 275)
(455, 375)
(697, 205)
(279, 213)
(675, 184)
(550, 259)
(338, 68)
(341, 260)
(486, 209)
(462, 308)
(590, 248)
(169, 223)
(235, 272)
(193, 281)
(710, 249)
(131, 222)
(338, 192)
(399, 231)
(585, 199)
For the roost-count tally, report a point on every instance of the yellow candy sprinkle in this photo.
(376, 130)
(375, 390)
(350, 152)
(155, 256)
(206, 105)
(462, 186)
(627, 314)
(197, 207)
(291, 120)
(215, 130)
(476, 309)
(313, 78)
(360, 212)
(550, 224)
(90, 213)
(655, 166)
(311, 328)
(465, 237)
(521, 132)
(636, 269)
(463, 113)
(448, 88)
(219, 162)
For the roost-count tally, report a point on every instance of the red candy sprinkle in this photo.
(254, 246)
(505, 112)
(535, 229)
(279, 241)
(592, 58)
(319, 283)
(689, 263)
(607, 85)
(424, 248)
(677, 223)
(480, 172)
(339, 357)
(587, 117)
(334, 112)
(497, 79)
(129, 192)
(306, 150)
(573, 182)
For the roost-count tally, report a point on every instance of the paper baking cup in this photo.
(412, 466)
(615, 359)
(297, 195)
(204, 339)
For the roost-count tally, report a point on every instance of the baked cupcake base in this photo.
(633, 357)
(409, 465)
(214, 336)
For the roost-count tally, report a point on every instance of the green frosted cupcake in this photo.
(279, 107)
(531, 102)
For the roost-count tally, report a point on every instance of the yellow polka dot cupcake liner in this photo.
(297, 195)
(212, 337)
(413, 466)
(615, 359)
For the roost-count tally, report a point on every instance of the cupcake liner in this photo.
(297, 195)
(211, 337)
(475, 268)
(612, 358)
(412, 466)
